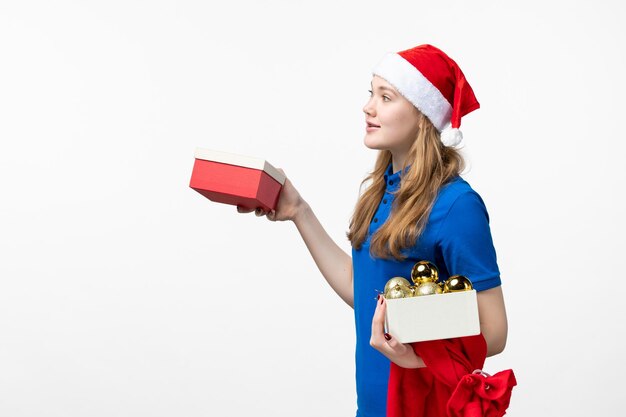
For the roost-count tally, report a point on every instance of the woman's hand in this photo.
(290, 204)
(401, 354)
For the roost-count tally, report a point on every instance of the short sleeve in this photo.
(465, 242)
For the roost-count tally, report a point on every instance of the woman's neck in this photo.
(396, 163)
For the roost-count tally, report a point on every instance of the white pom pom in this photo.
(451, 136)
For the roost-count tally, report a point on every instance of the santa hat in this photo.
(434, 83)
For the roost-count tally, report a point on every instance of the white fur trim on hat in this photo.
(416, 88)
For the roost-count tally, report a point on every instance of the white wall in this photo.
(123, 292)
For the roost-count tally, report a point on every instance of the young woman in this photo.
(416, 207)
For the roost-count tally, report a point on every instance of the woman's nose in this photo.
(368, 109)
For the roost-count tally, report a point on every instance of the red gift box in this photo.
(236, 179)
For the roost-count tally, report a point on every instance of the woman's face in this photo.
(397, 118)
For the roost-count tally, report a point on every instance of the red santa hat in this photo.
(434, 83)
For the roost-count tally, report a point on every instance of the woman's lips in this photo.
(369, 128)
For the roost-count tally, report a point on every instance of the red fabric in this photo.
(446, 75)
(447, 386)
(482, 396)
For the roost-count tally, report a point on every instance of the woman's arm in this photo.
(493, 322)
(493, 326)
(467, 248)
(334, 264)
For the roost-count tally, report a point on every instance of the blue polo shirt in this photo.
(457, 239)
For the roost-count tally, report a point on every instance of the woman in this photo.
(417, 207)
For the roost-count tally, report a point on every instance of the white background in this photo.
(123, 292)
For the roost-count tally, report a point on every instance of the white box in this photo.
(433, 317)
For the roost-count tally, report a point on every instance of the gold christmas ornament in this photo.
(396, 280)
(398, 291)
(427, 288)
(457, 283)
(424, 271)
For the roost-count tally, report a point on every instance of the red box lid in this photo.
(240, 160)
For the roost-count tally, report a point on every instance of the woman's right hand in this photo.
(290, 203)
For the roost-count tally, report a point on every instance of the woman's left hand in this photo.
(401, 354)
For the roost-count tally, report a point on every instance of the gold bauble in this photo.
(427, 288)
(424, 271)
(396, 280)
(398, 291)
(457, 283)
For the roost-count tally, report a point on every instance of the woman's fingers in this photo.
(384, 342)
(242, 209)
(394, 345)
(377, 339)
(271, 215)
(287, 206)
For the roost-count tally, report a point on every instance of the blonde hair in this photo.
(432, 165)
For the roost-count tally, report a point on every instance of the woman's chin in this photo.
(369, 143)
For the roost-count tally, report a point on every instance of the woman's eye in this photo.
(386, 98)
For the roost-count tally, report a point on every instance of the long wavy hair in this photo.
(432, 165)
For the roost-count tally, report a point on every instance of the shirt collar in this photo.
(393, 179)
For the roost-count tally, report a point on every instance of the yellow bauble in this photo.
(457, 283)
(424, 271)
(398, 291)
(396, 280)
(427, 288)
